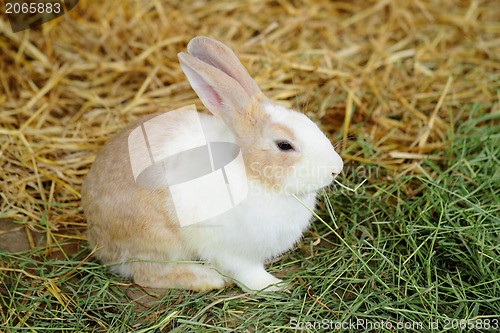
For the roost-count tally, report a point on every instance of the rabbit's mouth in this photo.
(303, 189)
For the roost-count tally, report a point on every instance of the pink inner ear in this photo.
(205, 91)
(212, 96)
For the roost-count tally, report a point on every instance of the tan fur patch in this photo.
(251, 120)
(285, 131)
(270, 168)
(136, 221)
(264, 163)
(189, 276)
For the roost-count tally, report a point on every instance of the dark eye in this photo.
(284, 145)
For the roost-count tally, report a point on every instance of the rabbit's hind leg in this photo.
(191, 276)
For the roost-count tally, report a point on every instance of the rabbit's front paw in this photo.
(260, 280)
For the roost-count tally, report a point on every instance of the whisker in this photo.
(347, 139)
(295, 90)
(339, 142)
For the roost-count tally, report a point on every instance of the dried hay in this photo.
(396, 73)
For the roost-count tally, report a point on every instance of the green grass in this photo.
(420, 247)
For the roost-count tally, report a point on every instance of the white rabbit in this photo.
(136, 229)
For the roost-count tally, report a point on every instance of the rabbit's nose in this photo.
(335, 174)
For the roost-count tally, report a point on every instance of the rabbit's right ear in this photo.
(220, 93)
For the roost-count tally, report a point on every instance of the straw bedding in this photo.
(398, 74)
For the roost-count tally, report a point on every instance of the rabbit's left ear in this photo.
(222, 57)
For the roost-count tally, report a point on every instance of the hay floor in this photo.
(398, 74)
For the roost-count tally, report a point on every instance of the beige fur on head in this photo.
(262, 164)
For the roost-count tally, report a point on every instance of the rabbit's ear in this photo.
(219, 92)
(222, 57)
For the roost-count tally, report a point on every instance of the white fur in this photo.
(265, 224)
(319, 159)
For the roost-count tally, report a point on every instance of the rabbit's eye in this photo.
(284, 145)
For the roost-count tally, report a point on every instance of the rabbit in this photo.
(134, 229)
